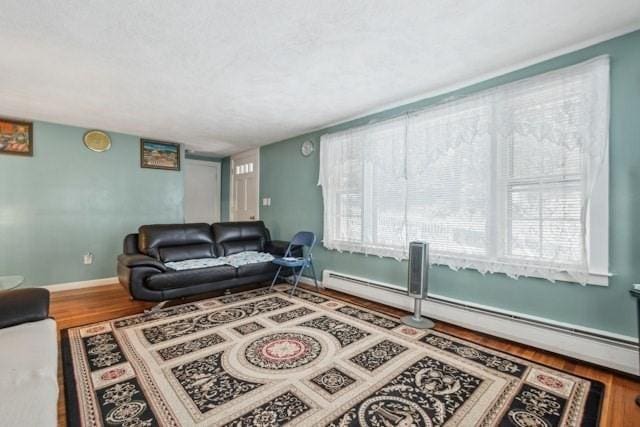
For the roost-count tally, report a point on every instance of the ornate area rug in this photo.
(263, 358)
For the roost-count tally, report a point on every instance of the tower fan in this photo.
(418, 284)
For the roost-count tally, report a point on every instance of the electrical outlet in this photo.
(88, 258)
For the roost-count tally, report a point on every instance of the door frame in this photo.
(210, 164)
(232, 170)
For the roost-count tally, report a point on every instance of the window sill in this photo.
(595, 279)
(469, 263)
(502, 267)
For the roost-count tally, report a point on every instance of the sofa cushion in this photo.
(256, 269)
(234, 237)
(185, 278)
(235, 247)
(29, 374)
(178, 241)
(181, 253)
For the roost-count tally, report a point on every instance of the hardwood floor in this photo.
(81, 307)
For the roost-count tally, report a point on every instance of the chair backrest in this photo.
(302, 238)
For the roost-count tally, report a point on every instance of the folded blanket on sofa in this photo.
(248, 257)
(235, 260)
(189, 264)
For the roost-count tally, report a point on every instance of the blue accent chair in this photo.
(306, 239)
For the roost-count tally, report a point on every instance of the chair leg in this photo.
(313, 271)
(273, 282)
(295, 285)
(156, 307)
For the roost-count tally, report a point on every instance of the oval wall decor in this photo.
(307, 148)
(97, 140)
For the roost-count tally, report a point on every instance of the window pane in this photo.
(344, 205)
(525, 238)
(546, 123)
(385, 185)
(545, 223)
(449, 180)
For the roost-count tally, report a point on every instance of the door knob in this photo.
(252, 217)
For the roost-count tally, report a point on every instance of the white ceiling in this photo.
(223, 76)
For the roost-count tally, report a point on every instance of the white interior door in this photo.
(245, 184)
(202, 191)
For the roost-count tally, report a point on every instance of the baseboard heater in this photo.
(547, 325)
(472, 307)
(361, 281)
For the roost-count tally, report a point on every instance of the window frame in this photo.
(596, 217)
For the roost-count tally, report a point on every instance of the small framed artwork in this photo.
(16, 138)
(159, 155)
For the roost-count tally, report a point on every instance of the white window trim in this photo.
(597, 234)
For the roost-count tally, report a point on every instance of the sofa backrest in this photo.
(176, 242)
(233, 237)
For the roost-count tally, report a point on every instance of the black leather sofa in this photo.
(141, 268)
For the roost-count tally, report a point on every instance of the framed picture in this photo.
(16, 137)
(159, 155)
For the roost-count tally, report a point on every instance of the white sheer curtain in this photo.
(500, 181)
(449, 171)
(365, 194)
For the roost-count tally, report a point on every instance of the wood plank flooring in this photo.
(90, 305)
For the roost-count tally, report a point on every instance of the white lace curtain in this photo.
(500, 181)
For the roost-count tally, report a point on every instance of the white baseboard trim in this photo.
(79, 285)
(611, 353)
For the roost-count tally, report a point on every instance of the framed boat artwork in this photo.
(159, 155)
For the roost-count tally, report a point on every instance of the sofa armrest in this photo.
(130, 244)
(279, 247)
(23, 305)
(140, 260)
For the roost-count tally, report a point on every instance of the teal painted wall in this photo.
(291, 182)
(67, 200)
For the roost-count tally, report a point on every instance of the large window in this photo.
(513, 179)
